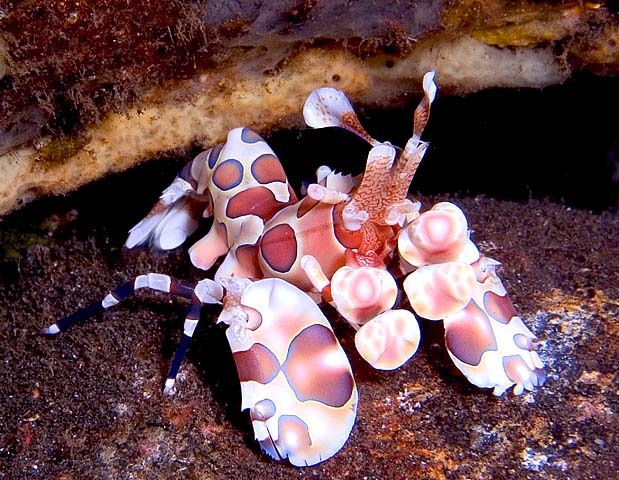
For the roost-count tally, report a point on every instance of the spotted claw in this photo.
(488, 342)
(493, 353)
(485, 338)
(296, 380)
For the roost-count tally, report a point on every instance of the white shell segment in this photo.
(174, 229)
(244, 153)
(360, 294)
(326, 195)
(205, 252)
(341, 183)
(389, 340)
(314, 272)
(170, 221)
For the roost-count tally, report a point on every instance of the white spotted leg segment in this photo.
(438, 235)
(360, 294)
(177, 213)
(389, 340)
(364, 296)
(436, 291)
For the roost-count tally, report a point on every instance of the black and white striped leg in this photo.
(154, 281)
(206, 291)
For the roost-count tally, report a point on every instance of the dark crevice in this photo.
(513, 144)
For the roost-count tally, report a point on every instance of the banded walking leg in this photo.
(205, 291)
(154, 281)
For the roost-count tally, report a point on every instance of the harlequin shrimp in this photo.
(338, 244)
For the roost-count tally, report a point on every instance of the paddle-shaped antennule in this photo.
(407, 164)
(329, 107)
(381, 197)
(422, 112)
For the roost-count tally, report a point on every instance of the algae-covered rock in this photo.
(106, 85)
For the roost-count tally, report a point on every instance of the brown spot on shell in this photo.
(257, 364)
(258, 201)
(294, 435)
(317, 369)
(267, 168)
(500, 308)
(249, 136)
(468, 334)
(228, 174)
(279, 247)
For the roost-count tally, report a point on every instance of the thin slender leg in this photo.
(154, 281)
(205, 291)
